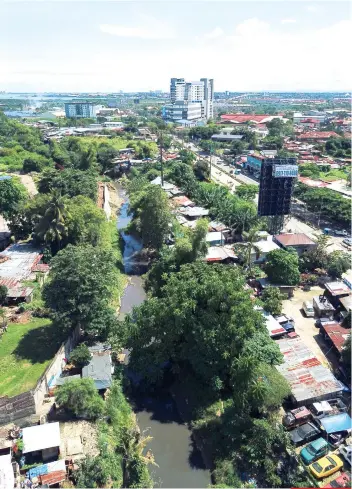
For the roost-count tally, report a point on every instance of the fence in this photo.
(28, 403)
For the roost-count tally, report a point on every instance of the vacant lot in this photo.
(25, 351)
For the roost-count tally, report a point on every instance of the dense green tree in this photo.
(273, 142)
(35, 163)
(262, 347)
(247, 192)
(272, 300)
(155, 217)
(80, 355)
(309, 170)
(202, 170)
(203, 132)
(92, 472)
(105, 157)
(86, 223)
(189, 247)
(12, 195)
(317, 257)
(81, 288)
(186, 156)
(282, 267)
(70, 182)
(237, 147)
(338, 263)
(200, 325)
(248, 246)
(80, 397)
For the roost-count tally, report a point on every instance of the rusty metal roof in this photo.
(308, 378)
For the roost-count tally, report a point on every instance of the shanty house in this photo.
(42, 440)
(100, 367)
(7, 478)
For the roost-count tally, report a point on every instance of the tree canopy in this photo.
(12, 195)
(80, 290)
(282, 267)
(80, 397)
(272, 300)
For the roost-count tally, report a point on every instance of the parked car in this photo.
(336, 439)
(346, 452)
(341, 232)
(315, 450)
(327, 408)
(343, 480)
(326, 466)
(289, 327)
(296, 417)
(347, 242)
(304, 434)
(308, 309)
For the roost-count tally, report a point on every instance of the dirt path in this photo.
(28, 182)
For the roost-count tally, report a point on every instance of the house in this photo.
(335, 335)
(220, 254)
(322, 307)
(286, 290)
(42, 440)
(227, 137)
(215, 238)
(100, 367)
(194, 212)
(5, 234)
(245, 118)
(334, 291)
(19, 262)
(299, 242)
(262, 248)
(317, 136)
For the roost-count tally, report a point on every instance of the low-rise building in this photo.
(100, 367)
(299, 242)
(42, 440)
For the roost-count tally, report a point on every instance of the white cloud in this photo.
(311, 8)
(154, 31)
(215, 33)
(288, 21)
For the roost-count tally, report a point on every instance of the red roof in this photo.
(293, 239)
(245, 117)
(336, 333)
(53, 478)
(318, 135)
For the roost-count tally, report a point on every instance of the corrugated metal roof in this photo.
(308, 378)
(40, 437)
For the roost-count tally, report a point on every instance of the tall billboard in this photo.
(277, 178)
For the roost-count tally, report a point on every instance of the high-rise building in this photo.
(80, 109)
(192, 100)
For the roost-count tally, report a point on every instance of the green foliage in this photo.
(309, 170)
(202, 170)
(338, 263)
(262, 347)
(205, 132)
(247, 192)
(189, 247)
(331, 205)
(237, 147)
(69, 182)
(12, 195)
(151, 208)
(51, 227)
(3, 295)
(272, 300)
(81, 355)
(338, 147)
(272, 142)
(186, 156)
(81, 288)
(317, 257)
(92, 472)
(282, 267)
(80, 397)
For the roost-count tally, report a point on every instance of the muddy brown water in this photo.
(179, 462)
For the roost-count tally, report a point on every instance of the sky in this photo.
(108, 46)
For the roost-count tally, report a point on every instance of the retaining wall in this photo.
(28, 403)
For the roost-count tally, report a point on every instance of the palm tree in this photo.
(250, 238)
(51, 227)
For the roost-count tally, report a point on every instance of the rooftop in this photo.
(220, 253)
(272, 325)
(7, 479)
(17, 263)
(294, 239)
(241, 118)
(40, 437)
(336, 333)
(338, 288)
(308, 378)
(100, 370)
(318, 135)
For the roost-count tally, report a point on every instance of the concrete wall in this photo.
(28, 403)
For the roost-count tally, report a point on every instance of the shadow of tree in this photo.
(39, 345)
(195, 458)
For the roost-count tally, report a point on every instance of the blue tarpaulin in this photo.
(339, 422)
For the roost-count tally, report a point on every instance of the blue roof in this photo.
(339, 422)
(5, 177)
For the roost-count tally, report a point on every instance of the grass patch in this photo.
(25, 352)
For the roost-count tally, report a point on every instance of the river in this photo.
(179, 462)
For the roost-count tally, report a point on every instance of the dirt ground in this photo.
(82, 431)
(305, 326)
(28, 182)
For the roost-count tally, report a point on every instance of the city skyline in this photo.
(139, 46)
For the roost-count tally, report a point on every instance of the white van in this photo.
(308, 309)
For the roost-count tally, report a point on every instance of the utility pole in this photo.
(210, 159)
(161, 157)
